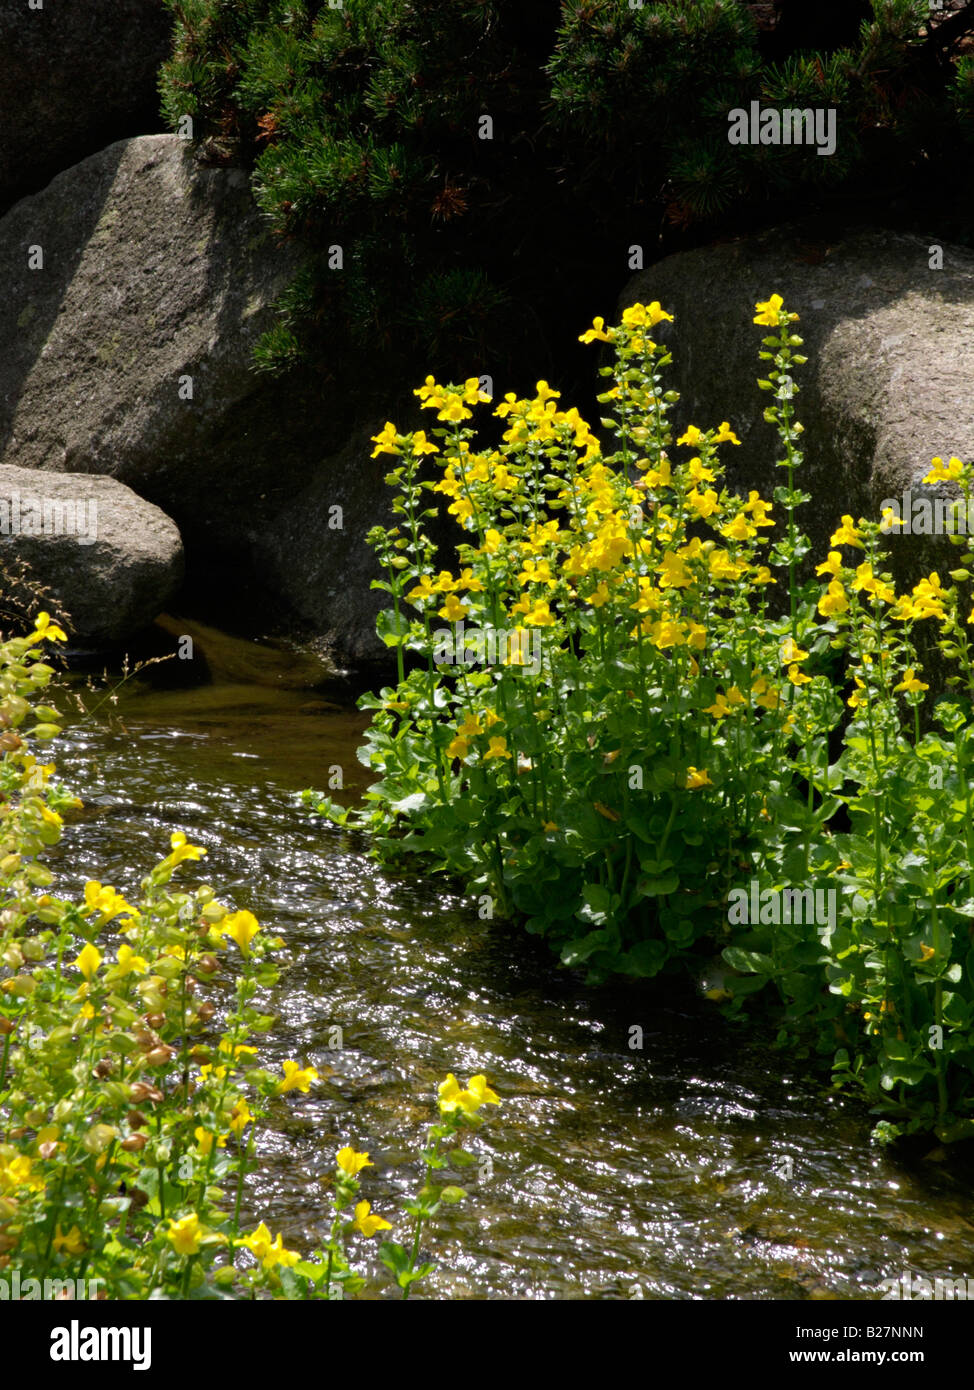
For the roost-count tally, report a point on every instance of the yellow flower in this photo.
(205, 1138)
(703, 504)
(453, 610)
(758, 508)
(453, 407)
(725, 435)
(738, 529)
(847, 534)
(645, 316)
(18, 1172)
(458, 748)
(797, 676)
(45, 630)
(927, 953)
(424, 589)
(768, 311)
(352, 1163)
(421, 445)
(184, 1235)
(721, 565)
(941, 473)
(476, 1094)
(673, 573)
(791, 652)
(367, 1224)
(104, 901)
(928, 597)
(241, 927)
(910, 682)
(128, 962)
(240, 1117)
(720, 709)
(834, 601)
(497, 748)
(856, 698)
(596, 331)
(539, 615)
(765, 694)
(182, 850)
(269, 1252)
(692, 436)
(696, 778)
(72, 1243)
(218, 1072)
(470, 727)
(385, 442)
(89, 960)
(296, 1078)
(831, 566)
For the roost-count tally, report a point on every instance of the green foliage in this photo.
(128, 1104)
(601, 726)
(362, 124)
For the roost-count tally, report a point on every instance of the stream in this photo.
(703, 1165)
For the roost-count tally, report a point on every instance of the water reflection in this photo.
(660, 1172)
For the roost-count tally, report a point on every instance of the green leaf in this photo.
(748, 962)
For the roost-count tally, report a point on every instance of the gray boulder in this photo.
(158, 278)
(109, 560)
(75, 76)
(315, 555)
(131, 354)
(889, 383)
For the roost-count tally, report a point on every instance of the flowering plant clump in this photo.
(604, 725)
(129, 1102)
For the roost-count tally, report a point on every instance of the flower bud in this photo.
(142, 1090)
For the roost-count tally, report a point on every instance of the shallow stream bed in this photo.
(661, 1172)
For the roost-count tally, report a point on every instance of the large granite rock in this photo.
(74, 76)
(158, 277)
(889, 382)
(109, 560)
(315, 555)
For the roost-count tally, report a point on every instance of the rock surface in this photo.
(109, 559)
(158, 269)
(74, 76)
(889, 381)
(315, 555)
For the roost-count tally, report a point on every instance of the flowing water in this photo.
(703, 1165)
